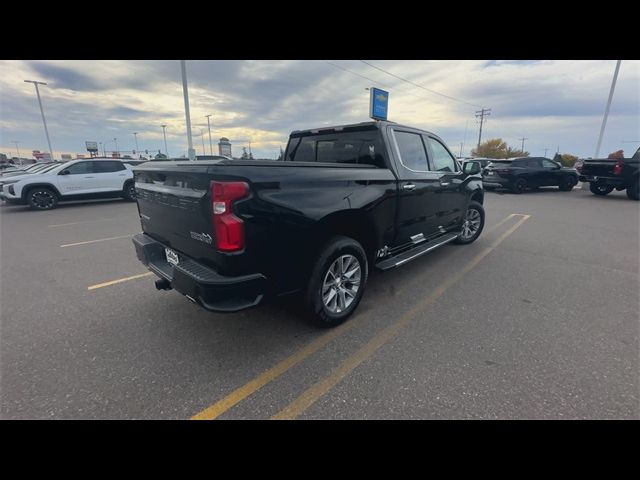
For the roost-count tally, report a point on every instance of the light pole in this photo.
(164, 132)
(116, 142)
(202, 137)
(135, 135)
(209, 125)
(18, 149)
(100, 143)
(46, 131)
(545, 152)
(185, 91)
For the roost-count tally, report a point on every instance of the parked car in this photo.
(25, 169)
(606, 174)
(519, 174)
(74, 180)
(228, 234)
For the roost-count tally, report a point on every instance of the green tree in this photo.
(565, 159)
(497, 148)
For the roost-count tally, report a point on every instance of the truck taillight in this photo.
(227, 228)
(617, 169)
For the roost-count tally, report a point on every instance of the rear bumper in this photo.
(199, 283)
(613, 181)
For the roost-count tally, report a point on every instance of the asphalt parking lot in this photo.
(539, 318)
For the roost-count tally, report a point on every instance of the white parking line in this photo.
(78, 223)
(93, 241)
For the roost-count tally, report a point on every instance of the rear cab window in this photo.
(350, 147)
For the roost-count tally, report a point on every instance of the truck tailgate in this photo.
(174, 207)
(599, 168)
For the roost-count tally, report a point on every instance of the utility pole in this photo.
(117, 153)
(606, 111)
(185, 91)
(164, 132)
(522, 147)
(461, 143)
(209, 125)
(18, 149)
(46, 131)
(482, 113)
(202, 137)
(545, 152)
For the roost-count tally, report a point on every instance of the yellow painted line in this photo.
(239, 394)
(214, 411)
(78, 223)
(313, 393)
(119, 280)
(94, 241)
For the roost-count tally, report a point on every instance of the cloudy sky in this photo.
(555, 104)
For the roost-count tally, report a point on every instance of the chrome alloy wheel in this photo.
(341, 283)
(471, 224)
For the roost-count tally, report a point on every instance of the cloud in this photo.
(550, 102)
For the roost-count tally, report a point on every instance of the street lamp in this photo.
(46, 131)
(164, 132)
(185, 91)
(135, 135)
(202, 137)
(116, 142)
(209, 125)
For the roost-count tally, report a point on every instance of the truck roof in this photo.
(370, 125)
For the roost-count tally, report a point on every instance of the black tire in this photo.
(567, 183)
(600, 189)
(129, 191)
(319, 313)
(519, 186)
(462, 240)
(42, 198)
(633, 191)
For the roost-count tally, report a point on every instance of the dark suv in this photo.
(518, 174)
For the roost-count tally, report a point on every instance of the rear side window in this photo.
(344, 147)
(80, 168)
(108, 167)
(412, 153)
(442, 159)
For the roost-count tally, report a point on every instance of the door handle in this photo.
(408, 186)
(444, 184)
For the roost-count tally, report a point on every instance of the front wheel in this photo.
(42, 198)
(337, 282)
(600, 189)
(633, 192)
(472, 225)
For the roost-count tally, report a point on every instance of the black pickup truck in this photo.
(605, 174)
(230, 233)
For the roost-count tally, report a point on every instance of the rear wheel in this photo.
(567, 183)
(129, 191)
(472, 225)
(337, 282)
(42, 198)
(600, 189)
(519, 186)
(633, 192)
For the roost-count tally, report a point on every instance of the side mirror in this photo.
(471, 168)
(64, 172)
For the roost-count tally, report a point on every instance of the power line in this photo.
(421, 86)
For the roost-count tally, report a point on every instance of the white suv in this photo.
(74, 180)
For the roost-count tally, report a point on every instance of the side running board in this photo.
(407, 256)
